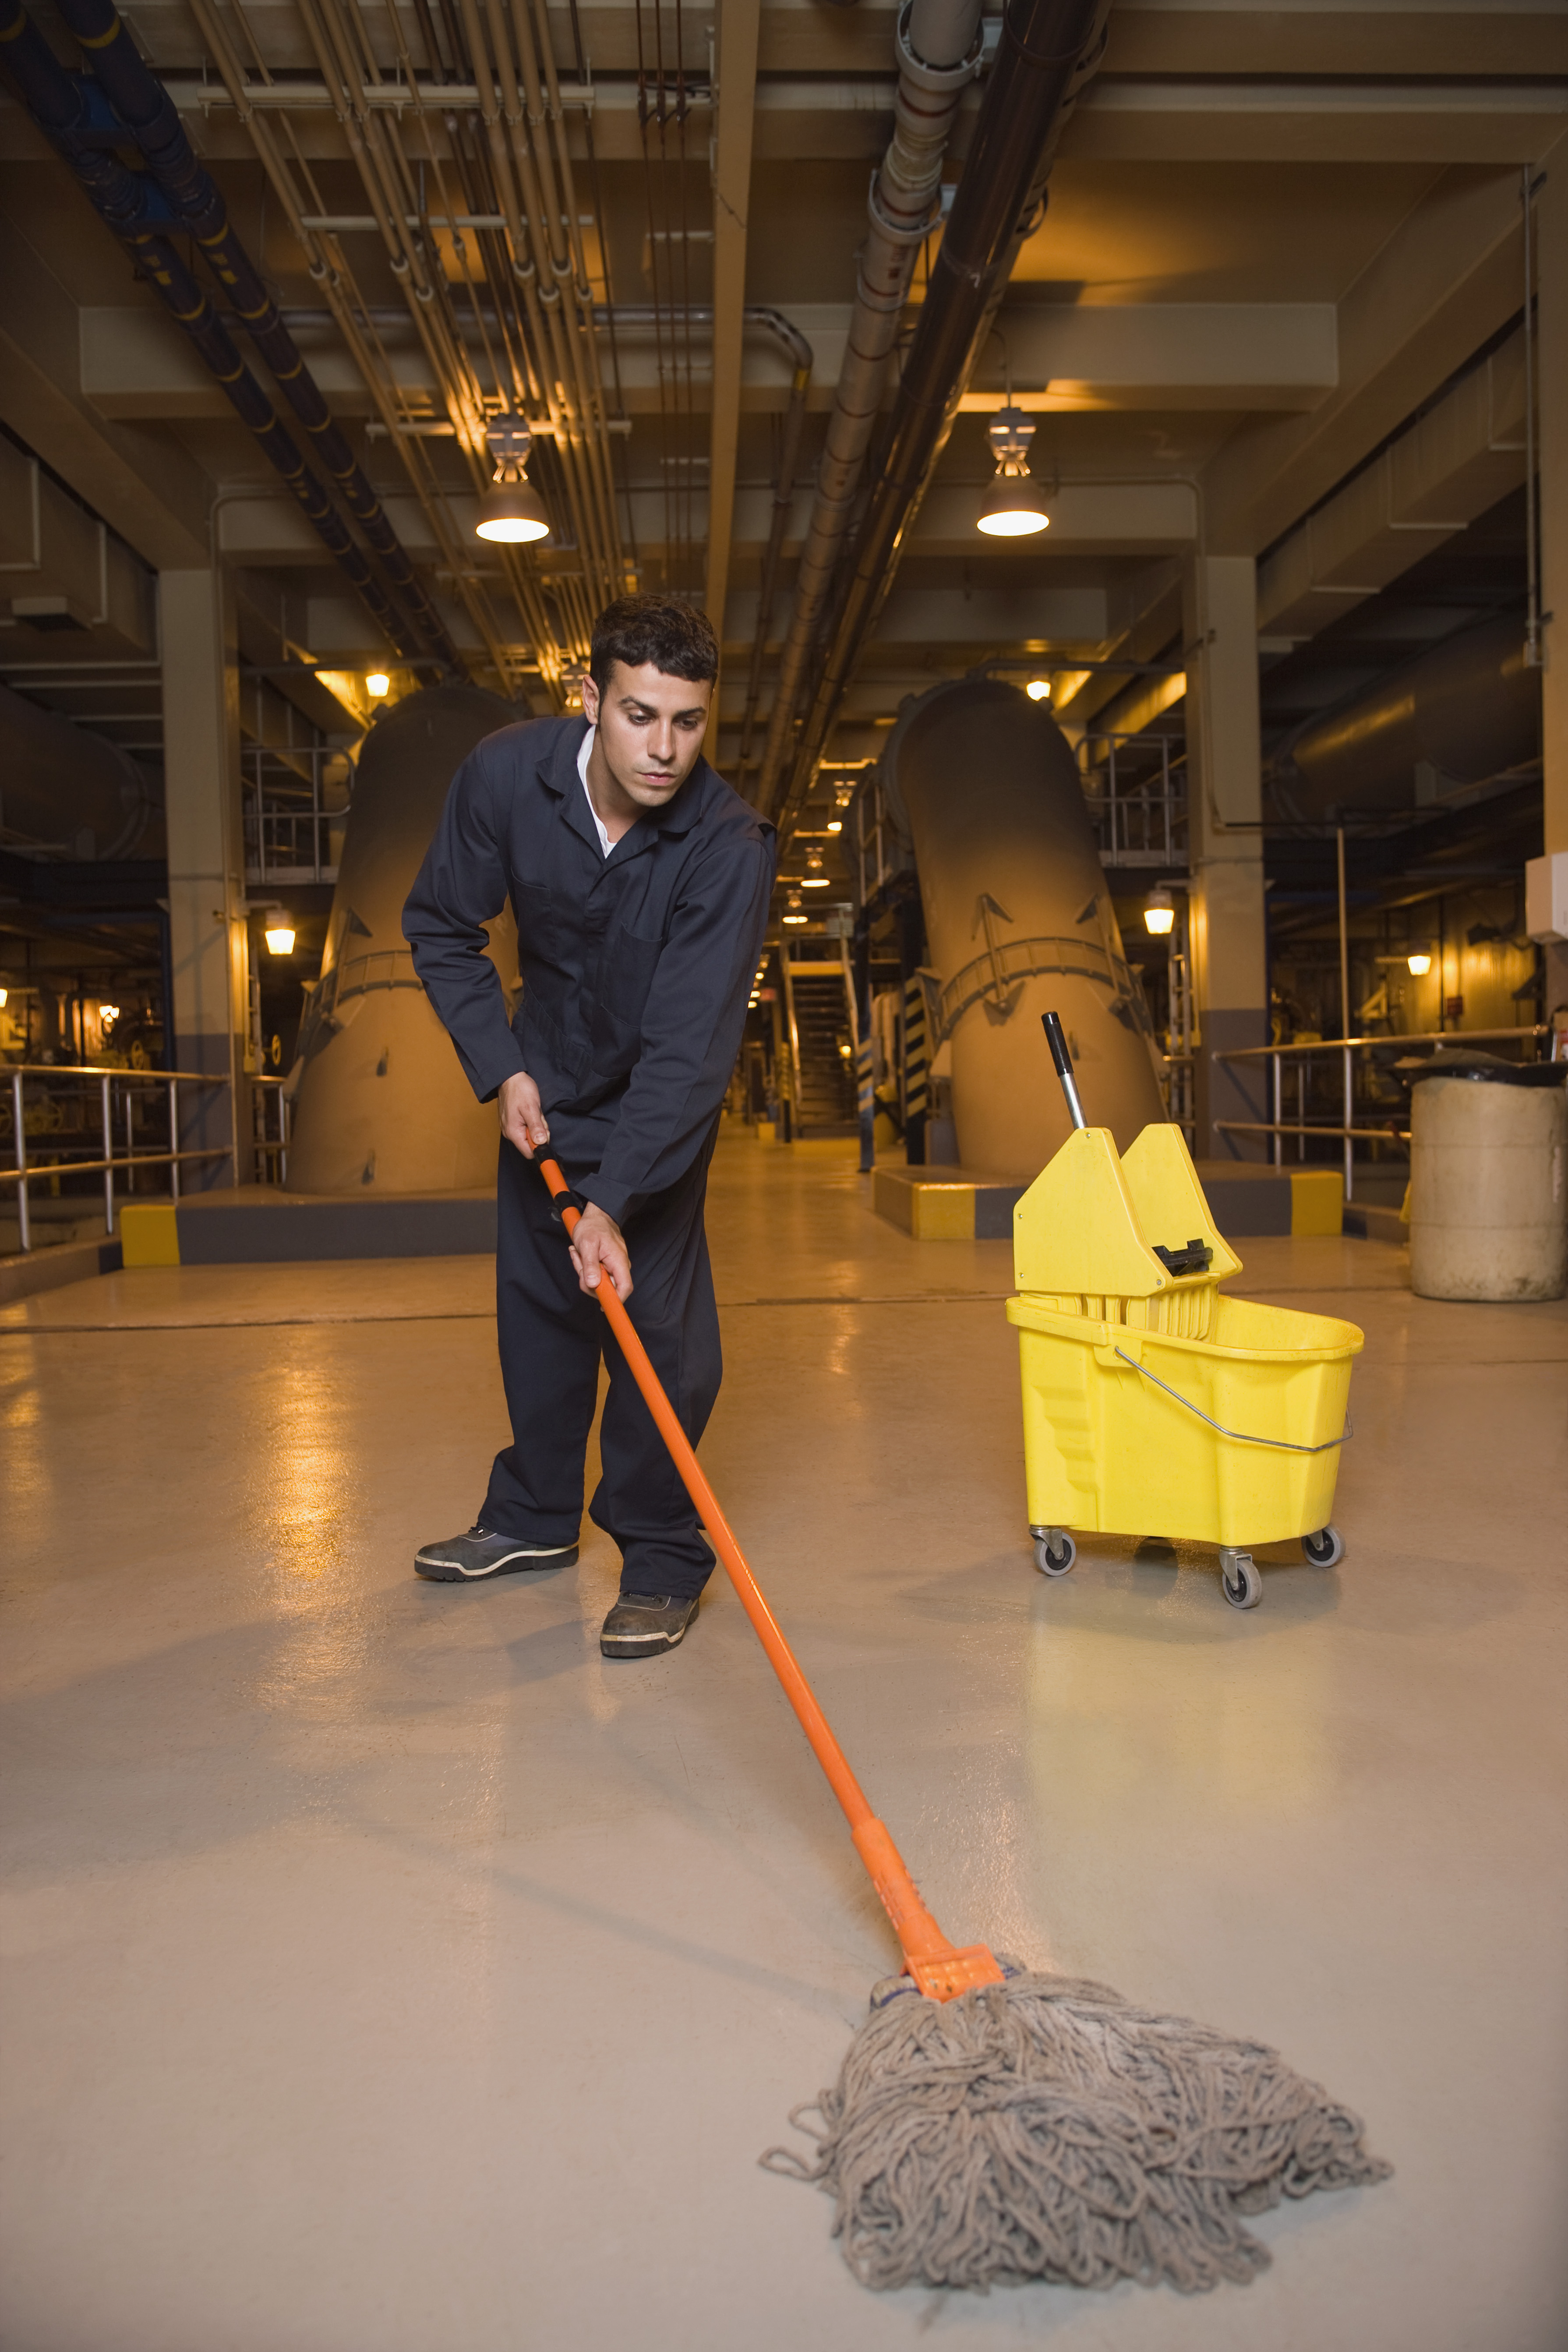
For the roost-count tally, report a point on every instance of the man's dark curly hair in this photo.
(675, 639)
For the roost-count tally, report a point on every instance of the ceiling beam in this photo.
(145, 488)
(1441, 286)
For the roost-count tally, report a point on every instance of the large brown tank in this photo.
(380, 1099)
(1019, 922)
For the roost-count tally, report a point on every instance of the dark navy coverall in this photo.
(636, 969)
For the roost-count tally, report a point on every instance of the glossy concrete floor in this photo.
(389, 1973)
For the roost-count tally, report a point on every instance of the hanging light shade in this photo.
(1013, 507)
(815, 879)
(512, 513)
(1160, 911)
(794, 911)
(512, 509)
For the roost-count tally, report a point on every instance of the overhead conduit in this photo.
(1049, 48)
(1469, 710)
(938, 45)
(119, 198)
(144, 105)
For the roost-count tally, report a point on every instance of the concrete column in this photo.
(1551, 376)
(1230, 971)
(208, 932)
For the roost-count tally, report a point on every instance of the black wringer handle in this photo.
(1056, 1040)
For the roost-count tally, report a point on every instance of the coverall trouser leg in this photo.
(552, 1337)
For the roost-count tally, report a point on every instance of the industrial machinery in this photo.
(983, 784)
(379, 1095)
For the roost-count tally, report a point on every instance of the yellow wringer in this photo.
(1154, 1404)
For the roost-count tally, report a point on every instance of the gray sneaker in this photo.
(642, 1623)
(479, 1553)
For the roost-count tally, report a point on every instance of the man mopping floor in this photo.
(640, 884)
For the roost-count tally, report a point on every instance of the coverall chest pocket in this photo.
(626, 976)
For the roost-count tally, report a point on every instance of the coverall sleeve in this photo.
(461, 885)
(691, 1028)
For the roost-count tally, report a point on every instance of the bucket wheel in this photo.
(1238, 1578)
(1324, 1549)
(1055, 1550)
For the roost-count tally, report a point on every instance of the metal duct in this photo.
(938, 45)
(380, 1099)
(144, 105)
(1019, 921)
(1466, 710)
(1048, 50)
(121, 200)
(64, 790)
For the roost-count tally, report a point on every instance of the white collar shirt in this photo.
(585, 751)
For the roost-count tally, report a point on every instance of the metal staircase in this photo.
(819, 1010)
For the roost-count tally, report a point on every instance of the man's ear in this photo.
(590, 702)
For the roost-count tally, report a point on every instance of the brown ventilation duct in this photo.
(380, 1100)
(1469, 709)
(69, 791)
(1019, 921)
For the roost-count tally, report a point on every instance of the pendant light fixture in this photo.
(1013, 507)
(512, 511)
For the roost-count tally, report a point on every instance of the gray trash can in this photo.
(1488, 1178)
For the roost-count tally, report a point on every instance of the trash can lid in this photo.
(1469, 1062)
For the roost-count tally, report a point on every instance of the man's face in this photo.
(650, 730)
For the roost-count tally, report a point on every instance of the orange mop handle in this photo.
(922, 1940)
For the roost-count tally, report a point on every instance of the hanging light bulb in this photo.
(1013, 507)
(512, 511)
(1419, 960)
(794, 911)
(281, 939)
(1159, 911)
(377, 684)
(816, 879)
(1038, 689)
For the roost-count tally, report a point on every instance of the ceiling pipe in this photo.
(938, 45)
(758, 315)
(1467, 711)
(1049, 49)
(119, 198)
(761, 320)
(144, 105)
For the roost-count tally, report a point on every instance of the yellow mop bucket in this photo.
(1153, 1404)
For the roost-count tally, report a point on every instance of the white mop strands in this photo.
(1045, 2129)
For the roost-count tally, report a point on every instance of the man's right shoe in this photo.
(466, 1559)
(641, 1625)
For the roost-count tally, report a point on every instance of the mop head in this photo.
(1045, 2128)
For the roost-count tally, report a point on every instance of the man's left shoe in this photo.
(642, 1623)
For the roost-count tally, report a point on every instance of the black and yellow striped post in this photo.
(916, 1066)
(866, 1103)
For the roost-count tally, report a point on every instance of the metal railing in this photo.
(1135, 789)
(1349, 1134)
(111, 1164)
(288, 826)
(271, 1150)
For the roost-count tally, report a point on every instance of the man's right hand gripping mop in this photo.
(991, 2124)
